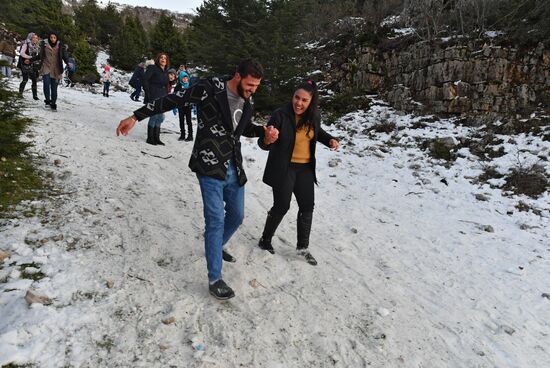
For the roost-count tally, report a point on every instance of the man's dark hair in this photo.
(250, 67)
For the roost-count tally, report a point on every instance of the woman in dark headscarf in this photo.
(52, 54)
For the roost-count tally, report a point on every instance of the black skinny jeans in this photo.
(33, 75)
(185, 113)
(300, 181)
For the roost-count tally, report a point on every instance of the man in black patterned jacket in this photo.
(225, 110)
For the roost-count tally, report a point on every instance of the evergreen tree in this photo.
(166, 38)
(85, 56)
(128, 47)
(110, 23)
(226, 31)
(87, 19)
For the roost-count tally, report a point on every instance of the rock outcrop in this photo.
(436, 78)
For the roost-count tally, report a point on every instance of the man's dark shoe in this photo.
(228, 257)
(220, 290)
(266, 245)
(53, 107)
(189, 138)
(181, 138)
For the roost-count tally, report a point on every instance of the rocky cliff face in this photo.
(433, 78)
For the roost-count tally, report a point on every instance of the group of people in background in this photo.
(157, 80)
(38, 58)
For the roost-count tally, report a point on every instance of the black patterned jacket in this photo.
(216, 142)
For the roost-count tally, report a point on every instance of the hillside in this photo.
(424, 261)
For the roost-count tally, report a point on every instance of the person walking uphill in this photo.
(136, 81)
(225, 110)
(29, 63)
(155, 84)
(52, 54)
(290, 165)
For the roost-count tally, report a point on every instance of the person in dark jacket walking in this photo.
(155, 84)
(29, 63)
(137, 81)
(225, 111)
(185, 111)
(290, 165)
(52, 54)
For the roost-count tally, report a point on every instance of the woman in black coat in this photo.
(291, 164)
(155, 84)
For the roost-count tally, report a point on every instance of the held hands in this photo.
(27, 61)
(334, 145)
(271, 134)
(126, 125)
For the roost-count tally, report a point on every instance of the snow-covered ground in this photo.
(408, 274)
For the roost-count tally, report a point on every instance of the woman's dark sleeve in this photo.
(194, 94)
(274, 120)
(324, 137)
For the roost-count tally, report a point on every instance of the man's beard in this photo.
(240, 90)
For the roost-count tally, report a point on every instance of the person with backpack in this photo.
(29, 63)
(106, 79)
(155, 85)
(290, 167)
(136, 81)
(70, 71)
(184, 111)
(52, 55)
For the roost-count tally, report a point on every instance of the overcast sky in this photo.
(181, 6)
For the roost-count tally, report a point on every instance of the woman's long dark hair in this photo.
(157, 60)
(307, 118)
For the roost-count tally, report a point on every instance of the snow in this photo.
(407, 275)
(493, 34)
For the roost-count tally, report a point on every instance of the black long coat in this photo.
(216, 142)
(280, 152)
(155, 83)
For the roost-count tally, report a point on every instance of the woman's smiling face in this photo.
(300, 101)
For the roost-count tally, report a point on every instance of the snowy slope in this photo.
(407, 274)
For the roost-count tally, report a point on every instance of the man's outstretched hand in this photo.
(271, 134)
(126, 125)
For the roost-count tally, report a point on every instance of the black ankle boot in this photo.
(151, 136)
(271, 224)
(157, 136)
(35, 94)
(189, 137)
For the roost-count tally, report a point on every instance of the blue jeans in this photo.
(156, 120)
(137, 92)
(106, 86)
(50, 85)
(221, 221)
